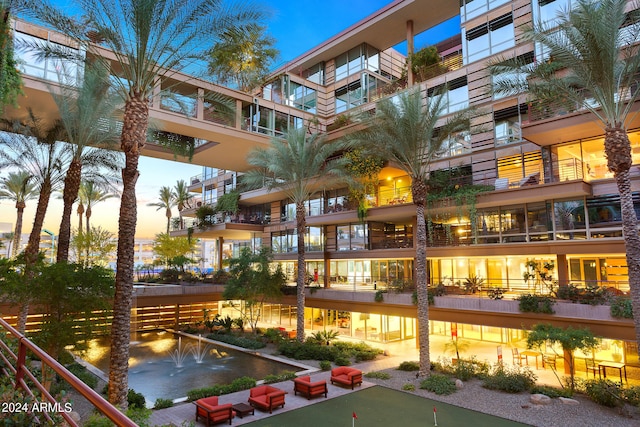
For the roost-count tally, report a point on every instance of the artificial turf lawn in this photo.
(381, 406)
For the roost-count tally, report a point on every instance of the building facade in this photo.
(549, 212)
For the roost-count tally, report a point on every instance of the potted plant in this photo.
(456, 345)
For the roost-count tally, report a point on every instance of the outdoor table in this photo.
(242, 409)
(602, 369)
(532, 353)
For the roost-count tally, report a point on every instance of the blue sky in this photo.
(297, 27)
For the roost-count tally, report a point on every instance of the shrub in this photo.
(136, 400)
(169, 275)
(273, 335)
(569, 292)
(240, 341)
(379, 296)
(162, 403)
(409, 387)
(85, 376)
(97, 420)
(239, 384)
(342, 361)
(378, 375)
(439, 384)
(511, 380)
(271, 378)
(409, 366)
(552, 392)
(631, 395)
(530, 303)
(311, 350)
(325, 365)
(603, 392)
(621, 308)
(463, 369)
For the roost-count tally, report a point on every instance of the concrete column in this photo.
(409, 52)
(220, 243)
(563, 270)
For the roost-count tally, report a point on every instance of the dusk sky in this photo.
(297, 27)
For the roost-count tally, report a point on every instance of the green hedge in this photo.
(239, 384)
(244, 342)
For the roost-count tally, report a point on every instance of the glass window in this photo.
(487, 39)
(512, 224)
(343, 238)
(539, 221)
(569, 218)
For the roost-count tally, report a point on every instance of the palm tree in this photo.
(591, 65)
(294, 165)
(18, 187)
(410, 133)
(167, 201)
(89, 194)
(81, 107)
(32, 146)
(150, 40)
(242, 57)
(182, 197)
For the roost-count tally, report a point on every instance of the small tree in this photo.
(570, 339)
(253, 281)
(94, 247)
(172, 248)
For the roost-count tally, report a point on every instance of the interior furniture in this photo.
(304, 386)
(347, 376)
(266, 397)
(209, 409)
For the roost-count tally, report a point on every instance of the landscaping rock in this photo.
(540, 399)
(459, 384)
(567, 401)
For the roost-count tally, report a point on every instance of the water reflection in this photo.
(153, 370)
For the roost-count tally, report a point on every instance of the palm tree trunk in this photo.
(17, 235)
(301, 226)
(69, 195)
(33, 248)
(87, 234)
(419, 193)
(619, 160)
(135, 121)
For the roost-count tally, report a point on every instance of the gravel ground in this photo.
(517, 407)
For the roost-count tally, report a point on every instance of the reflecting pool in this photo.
(164, 364)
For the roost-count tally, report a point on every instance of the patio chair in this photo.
(590, 366)
(549, 359)
(517, 357)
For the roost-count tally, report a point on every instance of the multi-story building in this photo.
(551, 205)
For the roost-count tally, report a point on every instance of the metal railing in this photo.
(17, 366)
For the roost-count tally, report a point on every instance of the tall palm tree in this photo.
(150, 40)
(410, 133)
(33, 146)
(82, 106)
(592, 65)
(18, 187)
(91, 193)
(182, 197)
(295, 164)
(167, 200)
(243, 57)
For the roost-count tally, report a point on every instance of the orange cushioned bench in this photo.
(346, 376)
(209, 409)
(304, 386)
